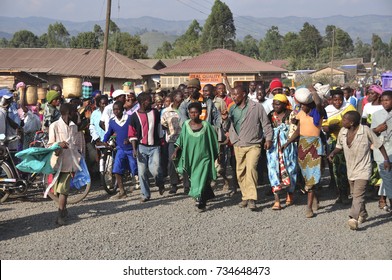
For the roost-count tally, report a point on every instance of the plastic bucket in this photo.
(386, 80)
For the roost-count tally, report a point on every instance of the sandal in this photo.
(276, 206)
(382, 203)
(289, 199)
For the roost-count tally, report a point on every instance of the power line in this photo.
(186, 4)
(208, 8)
(103, 5)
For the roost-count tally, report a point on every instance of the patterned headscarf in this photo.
(376, 88)
(282, 98)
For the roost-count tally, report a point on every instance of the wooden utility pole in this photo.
(105, 45)
(333, 45)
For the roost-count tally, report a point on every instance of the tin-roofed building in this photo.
(210, 66)
(53, 64)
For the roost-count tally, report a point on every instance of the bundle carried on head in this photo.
(303, 95)
(72, 87)
(322, 90)
(20, 84)
(87, 90)
(127, 86)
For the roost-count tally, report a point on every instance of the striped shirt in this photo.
(144, 127)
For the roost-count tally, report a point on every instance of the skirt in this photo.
(310, 150)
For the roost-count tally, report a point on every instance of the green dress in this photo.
(199, 149)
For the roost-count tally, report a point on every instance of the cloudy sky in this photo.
(84, 10)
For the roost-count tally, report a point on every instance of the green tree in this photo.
(3, 43)
(380, 52)
(248, 47)
(98, 33)
(292, 50)
(113, 28)
(130, 46)
(24, 39)
(165, 51)
(271, 46)
(85, 40)
(57, 36)
(311, 41)
(362, 50)
(388, 59)
(343, 44)
(188, 43)
(43, 39)
(219, 29)
(379, 48)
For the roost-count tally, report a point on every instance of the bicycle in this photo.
(108, 179)
(107, 154)
(14, 183)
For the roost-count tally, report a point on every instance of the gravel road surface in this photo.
(170, 227)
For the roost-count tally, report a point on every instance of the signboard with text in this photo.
(207, 78)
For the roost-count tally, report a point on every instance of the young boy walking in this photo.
(124, 156)
(65, 132)
(356, 141)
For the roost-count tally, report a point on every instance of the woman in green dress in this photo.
(198, 144)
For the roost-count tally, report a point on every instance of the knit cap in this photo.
(275, 84)
(52, 95)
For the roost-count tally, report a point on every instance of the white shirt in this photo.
(253, 96)
(267, 104)
(386, 136)
(107, 114)
(370, 109)
(122, 121)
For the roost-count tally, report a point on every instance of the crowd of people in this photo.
(191, 135)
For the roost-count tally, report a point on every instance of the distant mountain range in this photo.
(154, 31)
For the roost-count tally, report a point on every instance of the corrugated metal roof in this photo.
(149, 62)
(72, 62)
(279, 63)
(172, 61)
(222, 61)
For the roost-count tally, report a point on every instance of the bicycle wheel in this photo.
(108, 180)
(6, 172)
(75, 195)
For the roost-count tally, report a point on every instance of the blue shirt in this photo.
(120, 128)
